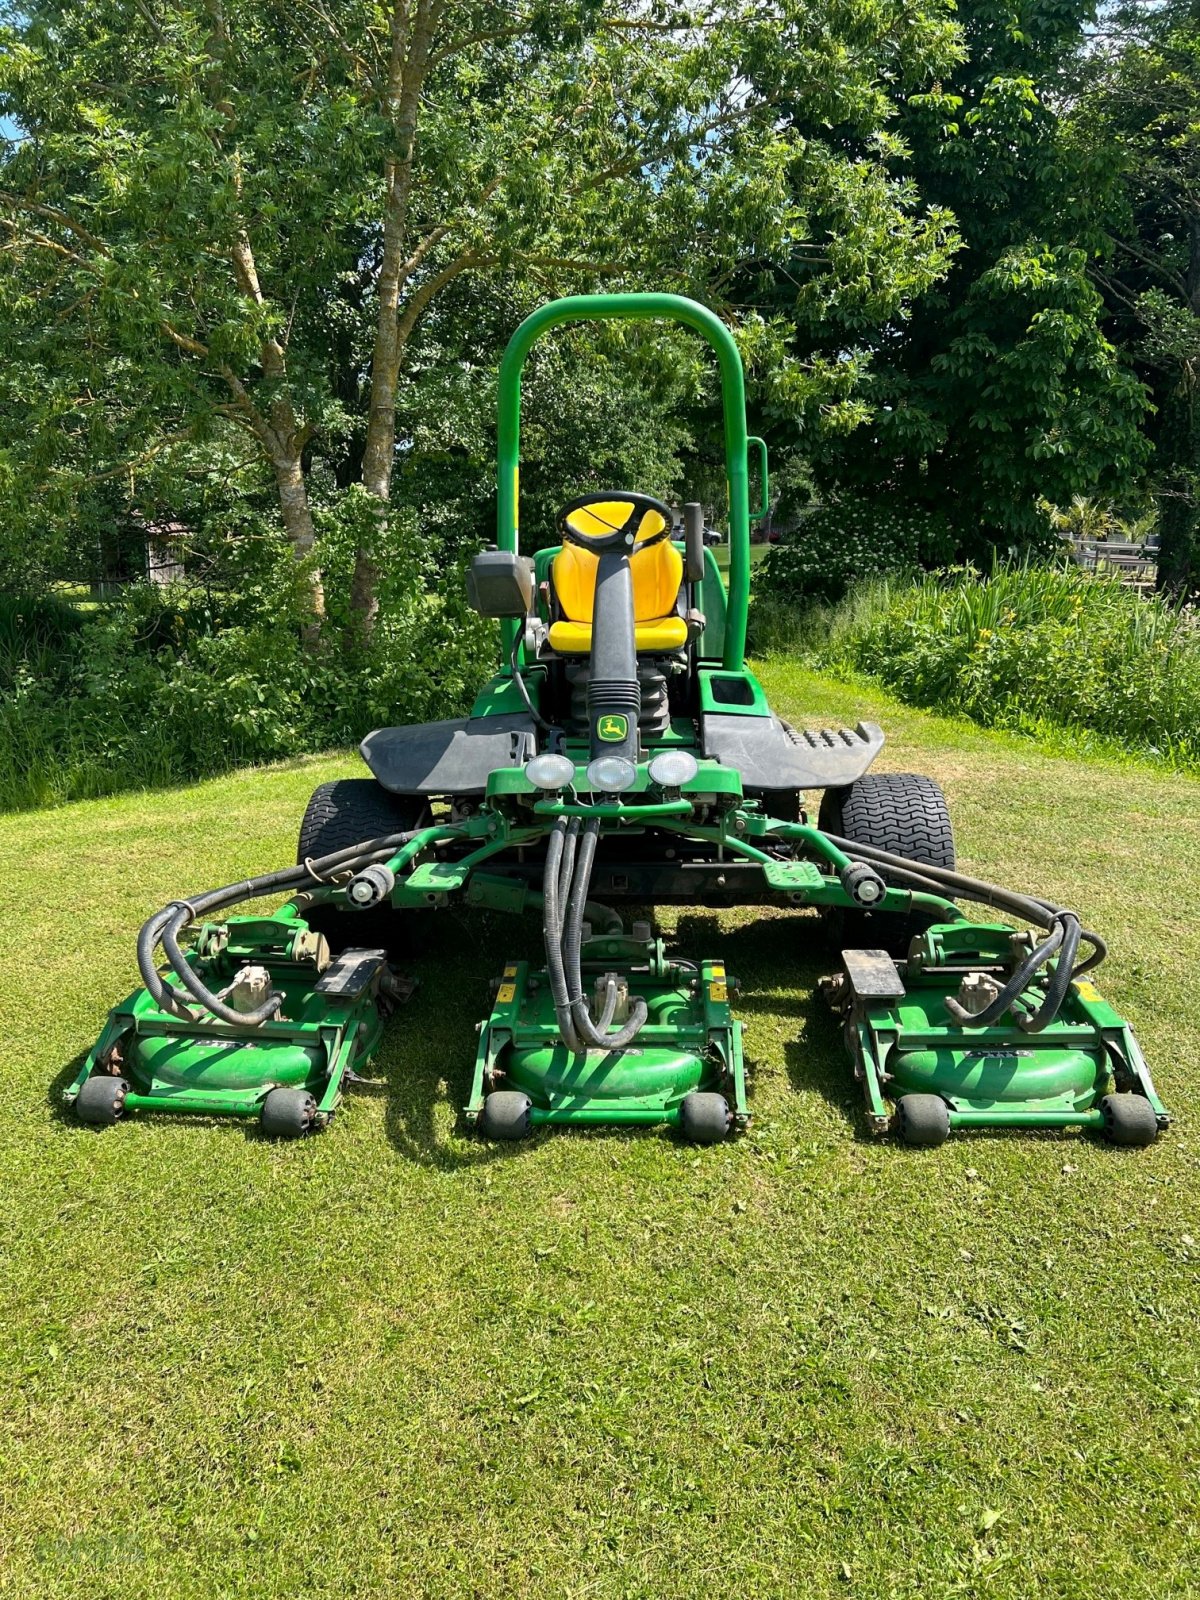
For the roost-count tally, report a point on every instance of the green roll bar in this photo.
(636, 307)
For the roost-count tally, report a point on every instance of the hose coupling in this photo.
(863, 884)
(371, 886)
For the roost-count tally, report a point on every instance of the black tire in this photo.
(922, 1120)
(905, 814)
(705, 1118)
(288, 1114)
(1129, 1119)
(506, 1115)
(101, 1101)
(345, 812)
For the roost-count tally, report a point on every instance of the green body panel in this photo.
(732, 693)
(979, 1078)
(711, 779)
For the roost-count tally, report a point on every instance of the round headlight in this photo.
(673, 768)
(550, 772)
(612, 774)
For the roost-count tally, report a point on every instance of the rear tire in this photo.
(905, 814)
(351, 811)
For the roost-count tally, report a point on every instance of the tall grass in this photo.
(1030, 648)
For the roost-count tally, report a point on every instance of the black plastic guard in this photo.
(448, 758)
(771, 754)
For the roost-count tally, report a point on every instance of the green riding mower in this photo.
(624, 755)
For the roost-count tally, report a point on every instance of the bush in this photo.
(848, 541)
(167, 686)
(1028, 648)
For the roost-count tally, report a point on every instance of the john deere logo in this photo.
(612, 729)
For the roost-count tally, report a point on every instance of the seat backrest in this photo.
(657, 573)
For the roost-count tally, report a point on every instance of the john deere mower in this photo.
(625, 756)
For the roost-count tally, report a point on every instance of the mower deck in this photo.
(690, 1044)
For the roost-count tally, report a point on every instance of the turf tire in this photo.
(705, 1118)
(101, 1100)
(905, 814)
(345, 812)
(506, 1115)
(288, 1114)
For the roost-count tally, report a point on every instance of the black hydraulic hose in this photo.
(1056, 989)
(179, 964)
(1040, 912)
(584, 1026)
(552, 928)
(566, 871)
(166, 925)
(1012, 990)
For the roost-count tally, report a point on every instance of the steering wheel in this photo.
(611, 520)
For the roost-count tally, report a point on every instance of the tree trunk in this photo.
(302, 535)
(413, 27)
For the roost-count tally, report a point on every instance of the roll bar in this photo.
(637, 308)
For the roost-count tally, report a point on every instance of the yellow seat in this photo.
(657, 572)
(650, 638)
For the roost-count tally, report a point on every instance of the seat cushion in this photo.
(653, 637)
(657, 573)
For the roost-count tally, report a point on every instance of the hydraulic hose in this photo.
(1012, 990)
(590, 1032)
(1065, 933)
(1056, 989)
(165, 926)
(552, 928)
(1041, 913)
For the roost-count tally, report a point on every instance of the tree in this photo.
(1140, 104)
(236, 220)
(994, 386)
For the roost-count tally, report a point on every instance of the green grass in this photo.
(393, 1362)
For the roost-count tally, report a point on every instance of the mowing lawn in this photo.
(394, 1362)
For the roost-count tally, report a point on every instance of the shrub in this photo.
(851, 540)
(1029, 648)
(167, 686)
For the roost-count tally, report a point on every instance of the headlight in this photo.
(550, 772)
(673, 768)
(611, 774)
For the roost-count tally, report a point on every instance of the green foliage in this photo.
(167, 686)
(1029, 648)
(992, 384)
(847, 541)
(1138, 101)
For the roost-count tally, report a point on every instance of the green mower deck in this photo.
(624, 754)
